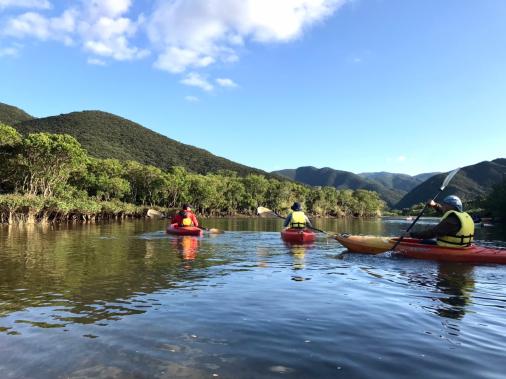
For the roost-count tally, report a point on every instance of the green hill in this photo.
(395, 181)
(11, 115)
(471, 182)
(105, 135)
(342, 180)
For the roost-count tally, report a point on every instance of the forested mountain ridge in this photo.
(470, 183)
(105, 135)
(342, 180)
(11, 115)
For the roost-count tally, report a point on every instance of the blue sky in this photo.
(362, 85)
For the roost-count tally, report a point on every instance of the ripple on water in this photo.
(128, 301)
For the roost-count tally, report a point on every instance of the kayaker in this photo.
(456, 228)
(184, 213)
(297, 219)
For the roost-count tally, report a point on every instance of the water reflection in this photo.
(457, 282)
(187, 247)
(51, 276)
(125, 300)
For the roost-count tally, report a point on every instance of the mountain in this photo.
(471, 182)
(11, 115)
(401, 182)
(340, 179)
(105, 135)
(425, 176)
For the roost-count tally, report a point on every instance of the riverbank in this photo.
(18, 209)
(24, 209)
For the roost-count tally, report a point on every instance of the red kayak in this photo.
(299, 236)
(413, 248)
(184, 230)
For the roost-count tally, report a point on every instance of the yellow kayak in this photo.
(365, 244)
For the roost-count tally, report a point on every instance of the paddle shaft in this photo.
(416, 219)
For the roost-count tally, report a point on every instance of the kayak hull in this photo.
(413, 248)
(183, 231)
(298, 236)
(473, 254)
(365, 244)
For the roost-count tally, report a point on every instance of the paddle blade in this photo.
(215, 231)
(261, 211)
(449, 177)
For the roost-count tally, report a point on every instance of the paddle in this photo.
(262, 210)
(449, 177)
(211, 230)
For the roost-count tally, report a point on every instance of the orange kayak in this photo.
(298, 236)
(365, 244)
(413, 248)
(183, 230)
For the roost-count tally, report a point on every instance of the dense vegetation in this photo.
(495, 203)
(51, 177)
(11, 115)
(105, 135)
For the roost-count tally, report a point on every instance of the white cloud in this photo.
(96, 62)
(192, 99)
(225, 82)
(99, 26)
(185, 35)
(196, 80)
(11, 51)
(108, 8)
(176, 60)
(187, 31)
(31, 24)
(401, 158)
(32, 4)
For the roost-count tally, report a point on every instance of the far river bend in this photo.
(123, 300)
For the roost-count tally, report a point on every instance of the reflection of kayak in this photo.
(183, 231)
(413, 248)
(292, 235)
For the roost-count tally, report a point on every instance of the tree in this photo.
(48, 160)
(496, 201)
(255, 187)
(10, 142)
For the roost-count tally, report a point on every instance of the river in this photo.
(123, 300)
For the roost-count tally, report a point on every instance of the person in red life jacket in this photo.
(456, 228)
(181, 218)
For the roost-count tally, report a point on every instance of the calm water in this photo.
(126, 301)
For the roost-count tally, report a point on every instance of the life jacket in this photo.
(298, 220)
(464, 237)
(185, 219)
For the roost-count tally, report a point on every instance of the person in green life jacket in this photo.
(297, 218)
(455, 229)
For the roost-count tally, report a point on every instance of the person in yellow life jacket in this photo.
(455, 229)
(185, 212)
(297, 218)
(185, 219)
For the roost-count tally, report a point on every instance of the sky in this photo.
(357, 85)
